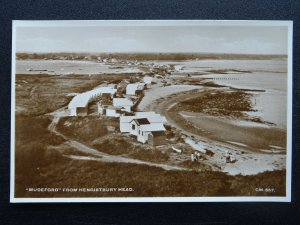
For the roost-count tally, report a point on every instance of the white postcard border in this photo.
(77, 23)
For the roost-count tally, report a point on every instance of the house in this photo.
(136, 123)
(147, 126)
(143, 129)
(79, 104)
(125, 126)
(147, 80)
(153, 117)
(101, 108)
(113, 111)
(133, 89)
(140, 89)
(126, 103)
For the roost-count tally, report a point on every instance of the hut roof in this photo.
(153, 127)
(81, 100)
(122, 102)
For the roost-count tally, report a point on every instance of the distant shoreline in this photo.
(146, 56)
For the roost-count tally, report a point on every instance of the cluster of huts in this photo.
(146, 126)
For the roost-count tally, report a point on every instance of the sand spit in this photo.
(160, 92)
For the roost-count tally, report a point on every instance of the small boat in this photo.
(177, 148)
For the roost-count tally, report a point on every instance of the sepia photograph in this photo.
(151, 111)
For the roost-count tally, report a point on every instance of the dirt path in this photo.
(119, 159)
(56, 115)
(161, 92)
(32, 91)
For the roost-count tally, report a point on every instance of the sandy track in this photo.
(160, 92)
(32, 91)
(100, 156)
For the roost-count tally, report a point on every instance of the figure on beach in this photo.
(193, 157)
(227, 156)
(232, 158)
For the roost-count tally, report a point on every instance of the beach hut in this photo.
(126, 103)
(113, 111)
(154, 131)
(146, 126)
(157, 138)
(135, 123)
(152, 117)
(147, 80)
(79, 104)
(133, 89)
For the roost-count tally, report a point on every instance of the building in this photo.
(79, 104)
(113, 60)
(153, 117)
(147, 80)
(157, 138)
(136, 123)
(146, 126)
(101, 108)
(133, 89)
(113, 111)
(147, 132)
(126, 103)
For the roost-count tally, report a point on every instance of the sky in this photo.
(201, 39)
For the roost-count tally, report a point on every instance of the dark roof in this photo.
(142, 121)
(158, 133)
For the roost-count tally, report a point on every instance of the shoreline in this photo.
(249, 159)
(243, 123)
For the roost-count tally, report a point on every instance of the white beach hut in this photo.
(144, 130)
(131, 89)
(126, 103)
(147, 80)
(79, 103)
(113, 111)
